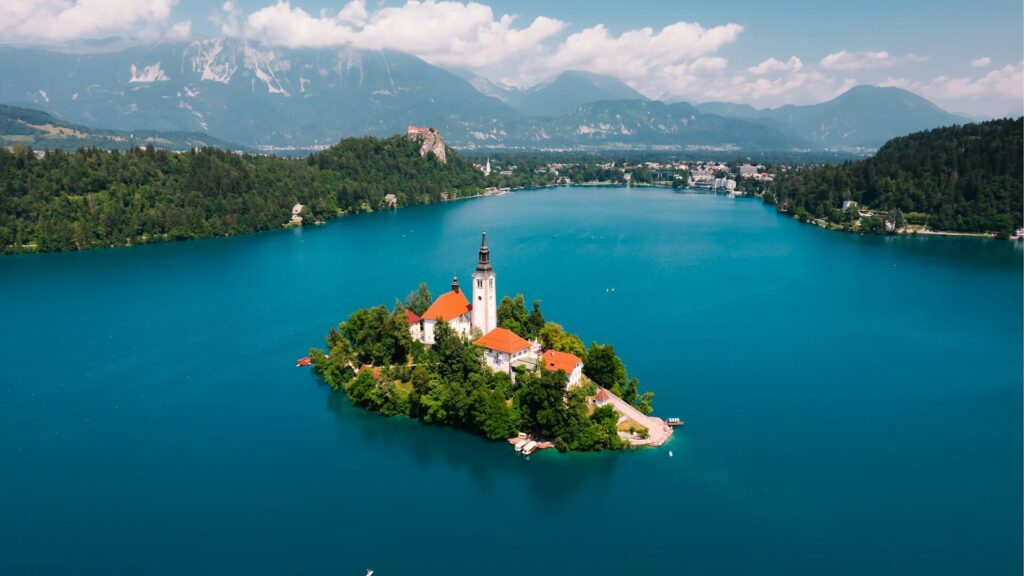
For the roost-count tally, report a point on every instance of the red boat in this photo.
(306, 361)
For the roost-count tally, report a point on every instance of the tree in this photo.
(377, 336)
(631, 390)
(540, 401)
(454, 358)
(603, 366)
(553, 337)
(512, 315)
(535, 322)
(419, 299)
(872, 225)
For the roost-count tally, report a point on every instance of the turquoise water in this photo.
(853, 404)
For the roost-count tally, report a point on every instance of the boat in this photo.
(520, 444)
(529, 448)
(674, 422)
(304, 361)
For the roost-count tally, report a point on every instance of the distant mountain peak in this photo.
(572, 88)
(863, 116)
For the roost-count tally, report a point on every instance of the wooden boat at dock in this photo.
(529, 448)
(673, 422)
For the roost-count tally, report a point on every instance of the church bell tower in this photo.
(485, 303)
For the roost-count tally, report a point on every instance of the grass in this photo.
(627, 424)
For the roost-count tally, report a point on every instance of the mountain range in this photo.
(42, 131)
(280, 98)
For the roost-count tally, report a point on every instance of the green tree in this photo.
(603, 366)
(553, 337)
(419, 299)
(535, 321)
(378, 336)
(454, 358)
(512, 315)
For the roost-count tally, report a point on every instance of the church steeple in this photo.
(455, 283)
(483, 263)
(485, 305)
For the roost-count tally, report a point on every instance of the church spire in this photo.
(455, 283)
(483, 263)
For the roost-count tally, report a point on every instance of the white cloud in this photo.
(773, 65)
(999, 91)
(636, 54)
(441, 32)
(470, 35)
(180, 31)
(844, 60)
(981, 62)
(354, 13)
(61, 20)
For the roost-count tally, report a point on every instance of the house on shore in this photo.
(451, 307)
(504, 349)
(571, 364)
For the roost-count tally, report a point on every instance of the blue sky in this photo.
(965, 56)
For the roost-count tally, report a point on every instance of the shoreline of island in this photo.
(498, 371)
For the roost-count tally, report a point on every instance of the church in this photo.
(477, 317)
(466, 317)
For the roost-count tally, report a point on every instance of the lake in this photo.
(852, 404)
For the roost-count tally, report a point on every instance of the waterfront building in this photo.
(415, 325)
(504, 348)
(451, 307)
(485, 301)
(570, 363)
(480, 316)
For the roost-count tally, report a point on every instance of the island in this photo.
(492, 369)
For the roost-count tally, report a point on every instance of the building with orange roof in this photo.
(451, 307)
(571, 364)
(504, 348)
(465, 317)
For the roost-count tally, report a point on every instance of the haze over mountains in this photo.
(274, 97)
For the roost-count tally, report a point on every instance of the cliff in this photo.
(430, 141)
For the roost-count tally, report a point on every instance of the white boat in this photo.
(529, 448)
(520, 444)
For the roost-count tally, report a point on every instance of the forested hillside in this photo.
(962, 178)
(93, 198)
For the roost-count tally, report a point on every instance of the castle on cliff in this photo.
(430, 141)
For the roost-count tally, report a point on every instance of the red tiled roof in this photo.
(448, 306)
(412, 317)
(555, 360)
(502, 340)
(603, 396)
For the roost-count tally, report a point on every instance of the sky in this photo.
(966, 56)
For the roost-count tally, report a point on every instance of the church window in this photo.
(479, 283)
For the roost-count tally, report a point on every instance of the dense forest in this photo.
(373, 360)
(961, 178)
(93, 198)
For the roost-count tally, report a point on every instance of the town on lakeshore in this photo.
(524, 379)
